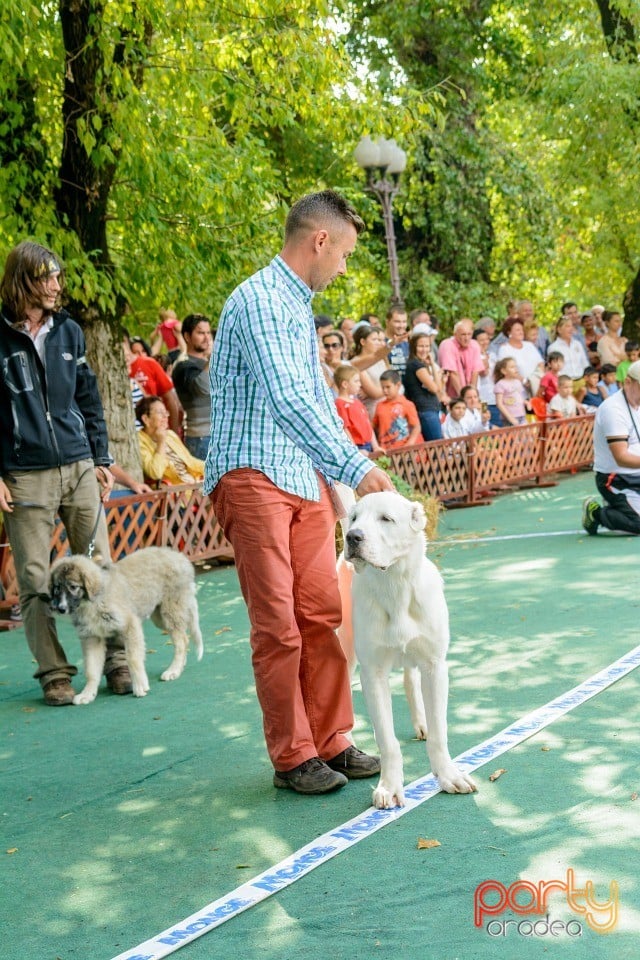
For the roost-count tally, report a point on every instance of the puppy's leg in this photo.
(134, 648)
(93, 654)
(413, 693)
(375, 686)
(177, 665)
(435, 688)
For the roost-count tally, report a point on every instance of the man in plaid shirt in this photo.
(277, 446)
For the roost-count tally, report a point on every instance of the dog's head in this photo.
(383, 528)
(71, 581)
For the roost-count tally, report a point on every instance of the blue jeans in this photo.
(430, 424)
(197, 446)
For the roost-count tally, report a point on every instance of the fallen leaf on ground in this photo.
(12, 850)
(634, 796)
(545, 749)
(243, 866)
(497, 773)
(427, 844)
(221, 630)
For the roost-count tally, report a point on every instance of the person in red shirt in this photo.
(168, 333)
(353, 412)
(153, 382)
(549, 382)
(396, 422)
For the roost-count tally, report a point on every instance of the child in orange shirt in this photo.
(396, 420)
(353, 412)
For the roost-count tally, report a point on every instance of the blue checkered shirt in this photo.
(270, 406)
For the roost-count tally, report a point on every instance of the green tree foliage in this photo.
(155, 144)
(527, 188)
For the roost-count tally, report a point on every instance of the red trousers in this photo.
(285, 557)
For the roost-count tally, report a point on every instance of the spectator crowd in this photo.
(397, 382)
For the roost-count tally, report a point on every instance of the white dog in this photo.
(111, 601)
(400, 618)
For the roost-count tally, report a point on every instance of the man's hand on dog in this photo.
(376, 481)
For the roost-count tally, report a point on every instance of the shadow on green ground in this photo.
(128, 815)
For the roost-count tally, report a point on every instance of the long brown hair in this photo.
(27, 265)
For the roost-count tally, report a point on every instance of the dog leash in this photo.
(32, 503)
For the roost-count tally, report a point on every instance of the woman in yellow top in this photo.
(165, 459)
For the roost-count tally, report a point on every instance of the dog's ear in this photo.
(91, 579)
(99, 561)
(418, 519)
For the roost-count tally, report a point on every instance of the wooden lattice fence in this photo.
(459, 472)
(180, 517)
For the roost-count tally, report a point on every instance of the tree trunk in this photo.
(621, 37)
(631, 307)
(88, 164)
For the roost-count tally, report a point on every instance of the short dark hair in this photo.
(27, 265)
(392, 376)
(191, 321)
(143, 406)
(145, 345)
(565, 306)
(319, 209)
(335, 333)
(631, 345)
(322, 320)
(554, 355)
(607, 368)
(588, 371)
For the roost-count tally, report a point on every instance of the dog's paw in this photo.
(141, 689)
(453, 780)
(386, 796)
(420, 730)
(171, 673)
(85, 696)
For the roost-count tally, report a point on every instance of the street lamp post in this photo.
(383, 162)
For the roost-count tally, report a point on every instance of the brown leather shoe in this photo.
(58, 693)
(354, 764)
(119, 681)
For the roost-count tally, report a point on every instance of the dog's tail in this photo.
(195, 632)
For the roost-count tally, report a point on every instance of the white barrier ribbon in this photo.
(333, 842)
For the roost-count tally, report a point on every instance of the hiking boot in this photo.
(354, 764)
(119, 681)
(312, 776)
(591, 516)
(58, 693)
